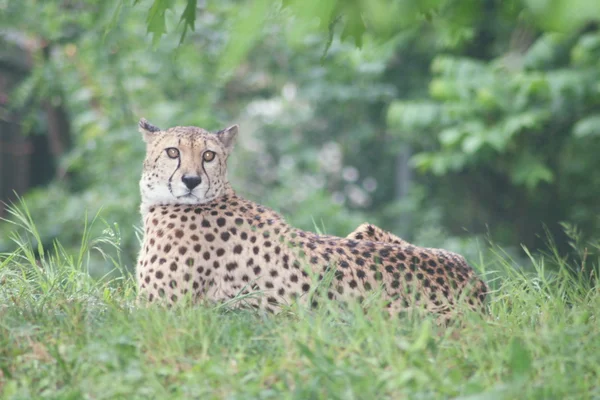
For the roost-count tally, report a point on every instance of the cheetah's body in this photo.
(220, 247)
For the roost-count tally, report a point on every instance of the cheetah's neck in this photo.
(147, 204)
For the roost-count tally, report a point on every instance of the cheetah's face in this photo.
(184, 165)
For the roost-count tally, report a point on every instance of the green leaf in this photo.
(588, 126)
(529, 171)
(422, 161)
(472, 143)
(515, 124)
(188, 18)
(407, 115)
(587, 49)
(486, 97)
(450, 137)
(247, 29)
(495, 139)
(354, 27)
(115, 18)
(543, 51)
(330, 34)
(442, 89)
(307, 11)
(156, 19)
(564, 15)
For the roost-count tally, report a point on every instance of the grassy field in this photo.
(66, 335)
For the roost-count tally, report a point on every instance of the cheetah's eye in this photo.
(208, 155)
(172, 152)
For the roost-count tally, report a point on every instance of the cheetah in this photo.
(204, 242)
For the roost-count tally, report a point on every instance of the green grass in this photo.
(66, 335)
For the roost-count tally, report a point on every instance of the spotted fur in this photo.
(207, 243)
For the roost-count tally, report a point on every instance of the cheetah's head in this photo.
(184, 164)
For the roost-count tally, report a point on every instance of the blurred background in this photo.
(448, 122)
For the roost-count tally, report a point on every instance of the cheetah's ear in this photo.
(149, 131)
(227, 136)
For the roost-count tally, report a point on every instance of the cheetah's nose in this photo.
(191, 181)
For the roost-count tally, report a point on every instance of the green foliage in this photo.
(66, 335)
(156, 19)
(499, 114)
(562, 15)
(524, 120)
(381, 19)
(287, 121)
